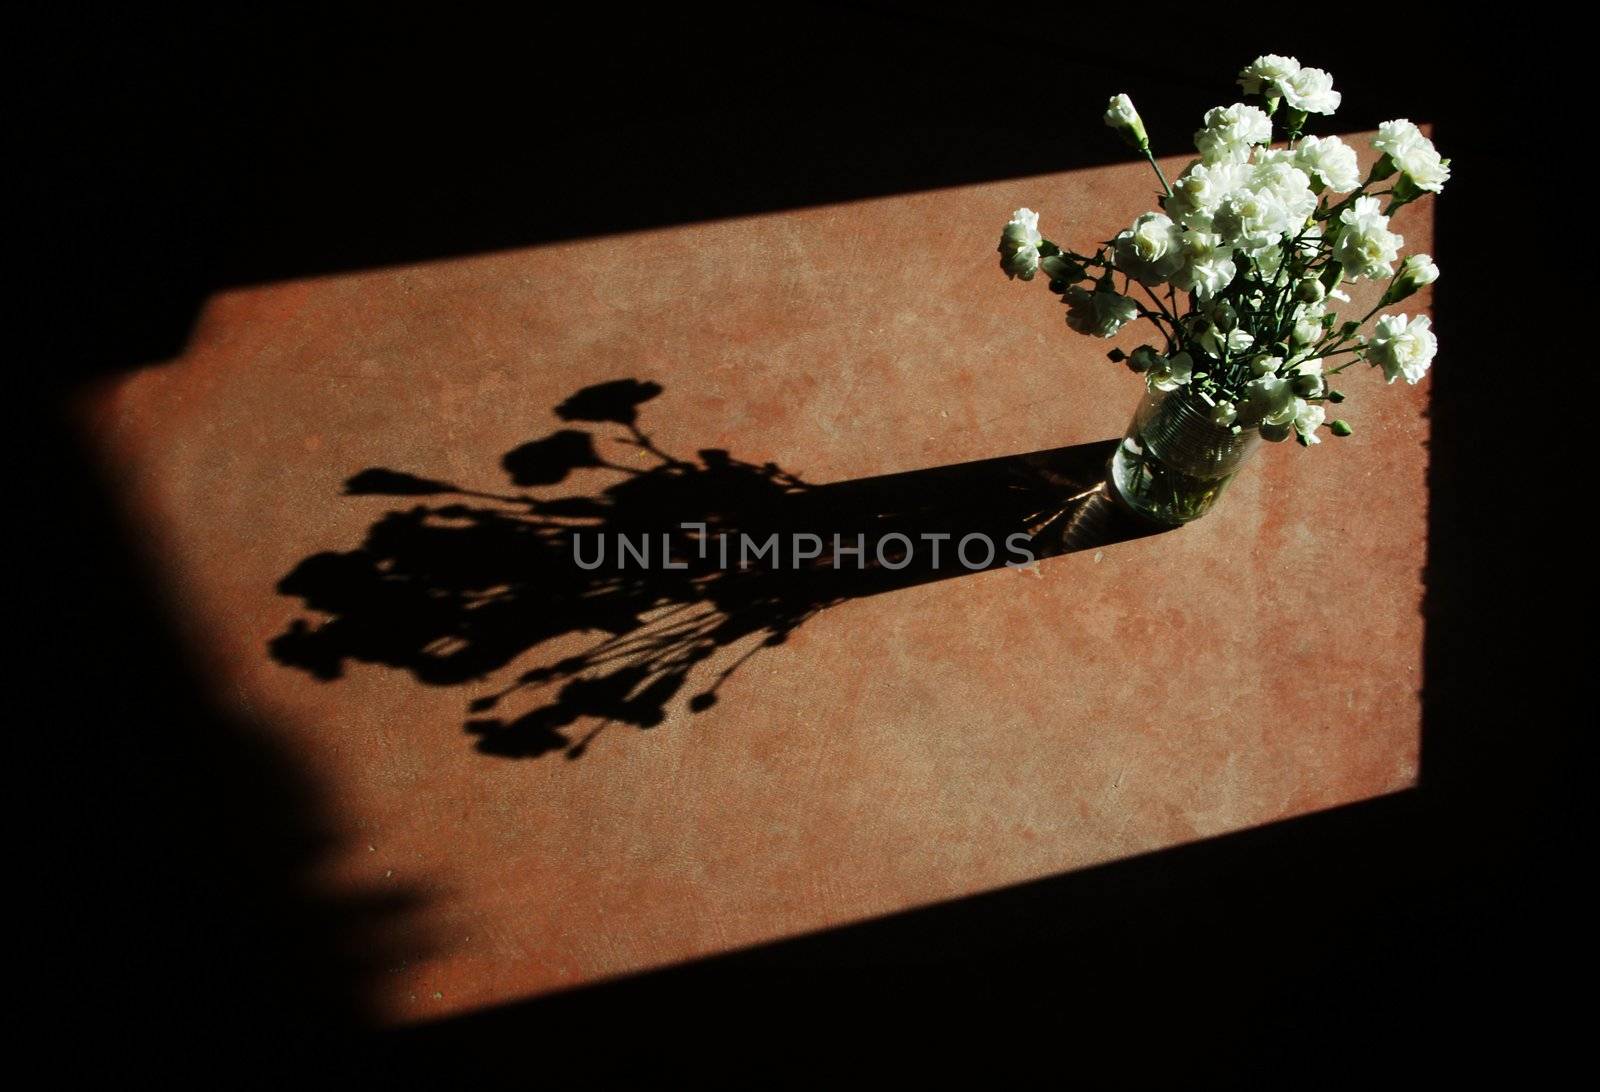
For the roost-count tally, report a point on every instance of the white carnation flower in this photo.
(1308, 324)
(1288, 183)
(1231, 343)
(1413, 153)
(1098, 313)
(1172, 372)
(1366, 246)
(1151, 251)
(1268, 75)
(1208, 266)
(1251, 221)
(1267, 401)
(1311, 90)
(1396, 138)
(1307, 418)
(1230, 131)
(1425, 168)
(1331, 160)
(1269, 262)
(1224, 413)
(1418, 271)
(1196, 194)
(1403, 348)
(1306, 375)
(1019, 245)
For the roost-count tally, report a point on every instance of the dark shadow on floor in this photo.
(1185, 968)
(688, 567)
(170, 859)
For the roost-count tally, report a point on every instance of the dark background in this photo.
(1425, 935)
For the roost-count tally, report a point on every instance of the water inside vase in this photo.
(1174, 462)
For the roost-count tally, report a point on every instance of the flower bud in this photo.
(1310, 290)
(1417, 271)
(1121, 116)
(1145, 358)
(1305, 331)
(1340, 427)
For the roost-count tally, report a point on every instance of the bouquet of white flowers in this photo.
(1257, 236)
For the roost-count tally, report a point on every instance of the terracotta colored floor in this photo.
(897, 749)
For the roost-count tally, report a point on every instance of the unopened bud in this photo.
(1121, 116)
(1310, 290)
(1145, 358)
(1417, 271)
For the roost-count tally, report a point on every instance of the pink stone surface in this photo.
(898, 750)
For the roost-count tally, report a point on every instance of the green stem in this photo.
(1157, 167)
(1347, 364)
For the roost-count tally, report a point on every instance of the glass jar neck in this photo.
(1177, 427)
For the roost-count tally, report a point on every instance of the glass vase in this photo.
(1175, 462)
